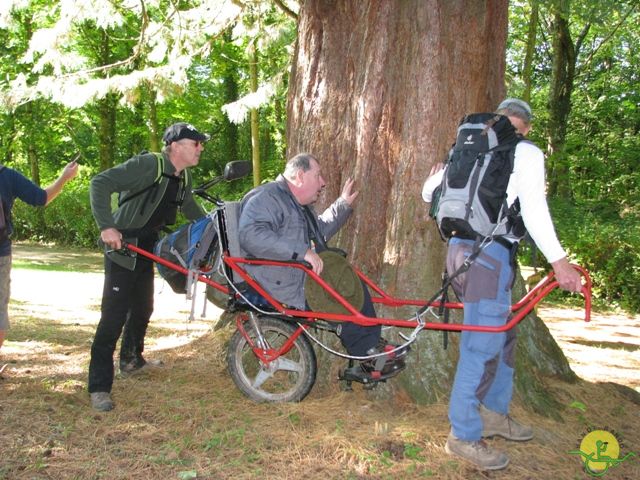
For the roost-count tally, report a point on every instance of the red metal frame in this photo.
(519, 310)
(269, 354)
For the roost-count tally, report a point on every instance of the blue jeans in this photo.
(486, 364)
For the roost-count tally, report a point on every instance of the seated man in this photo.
(277, 222)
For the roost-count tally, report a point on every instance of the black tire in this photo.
(287, 379)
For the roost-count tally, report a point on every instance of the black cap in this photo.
(181, 130)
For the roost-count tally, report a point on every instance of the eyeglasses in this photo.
(196, 143)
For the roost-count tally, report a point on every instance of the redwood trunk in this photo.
(376, 91)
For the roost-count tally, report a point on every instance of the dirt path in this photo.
(72, 298)
(605, 350)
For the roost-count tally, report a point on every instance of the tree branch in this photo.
(605, 40)
(286, 9)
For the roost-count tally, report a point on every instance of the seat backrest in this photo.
(232, 218)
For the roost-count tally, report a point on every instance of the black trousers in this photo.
(357, 339)
(127, 305)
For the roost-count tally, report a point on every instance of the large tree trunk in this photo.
(562, 75)
(376, 91)
(106, 110)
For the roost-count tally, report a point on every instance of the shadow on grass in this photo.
(53, 333)
(60, 259)
(629, 347)
(65, 334)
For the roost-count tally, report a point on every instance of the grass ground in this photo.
(188, 420)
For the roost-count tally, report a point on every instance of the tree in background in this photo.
(576, 38)
(119, 56)
(106, 78)
(584, 93)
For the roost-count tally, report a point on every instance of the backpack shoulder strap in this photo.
(156, 181)
(512, 152)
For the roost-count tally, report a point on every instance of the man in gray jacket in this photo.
(277, 222)
(151, 187)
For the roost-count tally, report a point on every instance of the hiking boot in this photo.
(478, 453)
(139, 365)
(101, 401)
(504, 426)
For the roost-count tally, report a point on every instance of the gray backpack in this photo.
(471, 202)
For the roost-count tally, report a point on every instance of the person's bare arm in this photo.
(69, 172)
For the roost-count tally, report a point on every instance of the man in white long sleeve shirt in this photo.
(483, 386)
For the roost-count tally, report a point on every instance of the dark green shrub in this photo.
(607, 245)
(67, 220)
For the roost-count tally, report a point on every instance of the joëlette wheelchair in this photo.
(270, 356)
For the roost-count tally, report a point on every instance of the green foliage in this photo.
(66, 220)
(40, 136)
(607, 245)
(599, 222)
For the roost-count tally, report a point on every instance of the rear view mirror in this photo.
(237, 169)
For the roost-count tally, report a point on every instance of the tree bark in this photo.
(107, 130)
(531, 46)
(376, 91)
(255, 120)
(562, 76)
(229, 136)
(155, 134)
(106, 110)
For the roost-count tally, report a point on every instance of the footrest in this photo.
(357, 374)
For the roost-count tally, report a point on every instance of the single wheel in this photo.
(288, 378)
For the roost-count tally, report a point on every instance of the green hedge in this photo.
(607, 244)
(67, 220)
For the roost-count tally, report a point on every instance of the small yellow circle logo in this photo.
(600, 450)
(600, 446)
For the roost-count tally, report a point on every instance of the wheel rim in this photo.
(280, 378)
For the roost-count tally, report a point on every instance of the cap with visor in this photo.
(517, 106)
(182, 130)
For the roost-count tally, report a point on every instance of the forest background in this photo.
(104, 79)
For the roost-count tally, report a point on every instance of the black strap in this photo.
(477, 249)
(443, 311)
(139, 192)
(315, 235)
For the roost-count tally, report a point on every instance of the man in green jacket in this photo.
(151, 188)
